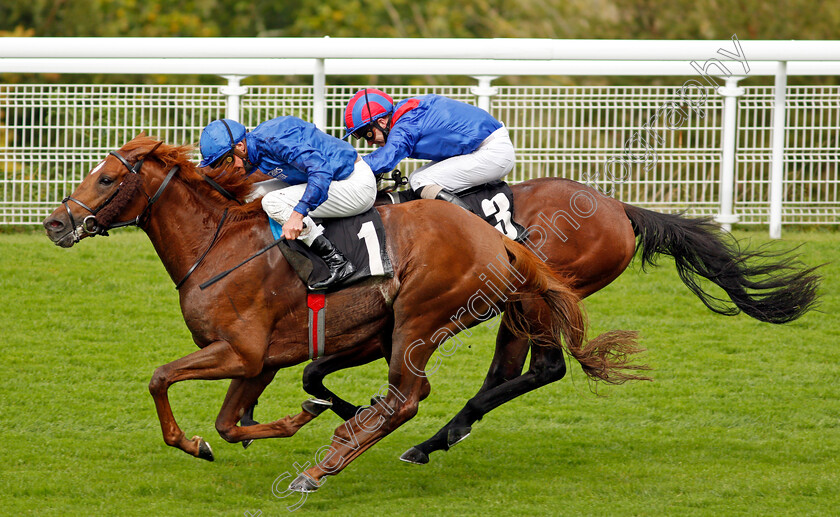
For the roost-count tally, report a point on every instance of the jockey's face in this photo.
(232, 161)
(242, 150)
(378, 134)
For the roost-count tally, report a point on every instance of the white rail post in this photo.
(778, 167)
(234, 91)
(319, 102)
(484, 90)
(730, 92)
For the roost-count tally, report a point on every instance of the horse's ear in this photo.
(150, 151)
(141, 133)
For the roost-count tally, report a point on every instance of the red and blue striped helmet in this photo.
(366, 106)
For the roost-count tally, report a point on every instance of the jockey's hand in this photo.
(293, 227)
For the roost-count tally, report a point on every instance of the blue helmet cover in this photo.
(216, 140)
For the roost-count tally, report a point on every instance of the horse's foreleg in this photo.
(508, 360)
(216, 361)
(242, 394)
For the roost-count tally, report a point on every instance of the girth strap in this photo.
(316, 302)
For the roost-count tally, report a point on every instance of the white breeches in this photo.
(350, 196)
(492, 160)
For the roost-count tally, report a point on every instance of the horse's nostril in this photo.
(54, 224)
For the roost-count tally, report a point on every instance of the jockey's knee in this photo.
(277, 206)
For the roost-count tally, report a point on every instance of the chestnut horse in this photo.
(590, 239)
(254, 321)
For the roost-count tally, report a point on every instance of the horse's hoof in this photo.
(316, 406)
(415, 455)
(204, 450)
(246, 443)
(457, 435)
(303, 483)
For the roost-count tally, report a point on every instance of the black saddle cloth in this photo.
(361, 238)
(491, 201)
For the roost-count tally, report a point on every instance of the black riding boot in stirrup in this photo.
(340, 267)
(452, 198)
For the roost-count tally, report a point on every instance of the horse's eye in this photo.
(105, 180)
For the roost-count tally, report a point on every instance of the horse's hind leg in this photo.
(407, 385)
(547, 365)
(314, 373)
(508, 360)
(317, 370)
(241, 394)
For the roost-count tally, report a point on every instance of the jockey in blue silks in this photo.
(325, 175)
(466, 146)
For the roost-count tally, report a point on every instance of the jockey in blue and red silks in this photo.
(466, 146)
(326, 177)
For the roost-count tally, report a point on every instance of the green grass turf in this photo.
(741, 418)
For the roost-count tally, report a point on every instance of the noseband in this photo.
(90, 226)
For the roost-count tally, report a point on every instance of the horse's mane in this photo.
(171, 155)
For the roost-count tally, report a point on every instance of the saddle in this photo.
(492, 201)
(362, 238)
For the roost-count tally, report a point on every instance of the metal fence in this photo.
(52, 135)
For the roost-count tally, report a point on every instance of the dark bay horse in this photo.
(590, 239)
(254, 321)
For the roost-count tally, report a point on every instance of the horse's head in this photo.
(113, 191)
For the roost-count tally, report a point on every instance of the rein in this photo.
(201, 258)
(220, 189)
(223, 274)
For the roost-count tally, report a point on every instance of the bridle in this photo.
(90, 226)
(84, 228)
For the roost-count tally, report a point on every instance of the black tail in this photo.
(767, 285)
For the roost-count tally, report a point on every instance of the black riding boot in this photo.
(452, 198)
(340, 267)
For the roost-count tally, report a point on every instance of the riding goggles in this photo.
(227, 158)
(365, 132)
